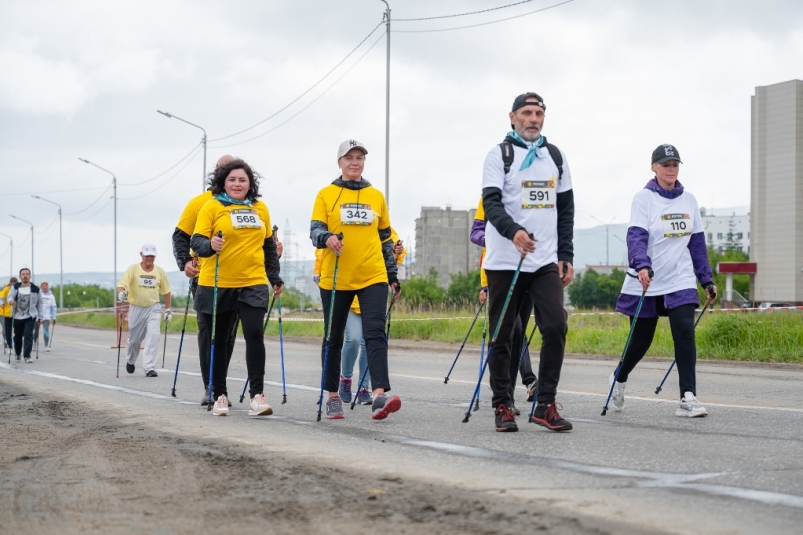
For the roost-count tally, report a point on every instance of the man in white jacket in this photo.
(25, 299)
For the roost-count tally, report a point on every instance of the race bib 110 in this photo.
(538, 193)
(148, 281)
(356, 214)
(244, 218)
(676, 225)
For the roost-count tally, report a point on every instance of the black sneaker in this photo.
(19, 357)
(129, 368)
(547, 416)
(151, 373)
(205, 400)
(505, 421)
(384, 405)
(513, 408)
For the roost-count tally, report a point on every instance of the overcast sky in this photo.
(85, 78)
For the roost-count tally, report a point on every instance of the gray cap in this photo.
(348, 145)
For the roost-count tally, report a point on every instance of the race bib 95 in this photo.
(148, 281)
(676, 225)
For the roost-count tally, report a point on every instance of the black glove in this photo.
(395, 281)
(709, 288)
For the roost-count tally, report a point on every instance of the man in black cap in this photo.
(529, 207)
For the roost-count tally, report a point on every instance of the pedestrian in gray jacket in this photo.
(26, 301)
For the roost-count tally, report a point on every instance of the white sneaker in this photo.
(618, 396)
(259, 407)
(221, 407)
(47, 350)
(690, 407)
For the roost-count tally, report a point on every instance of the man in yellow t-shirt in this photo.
(8, 336)
(141, 285)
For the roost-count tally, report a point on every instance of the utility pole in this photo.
(114, 188)
(203, 141)
(387, 105)
(61, 252)
(607, 241)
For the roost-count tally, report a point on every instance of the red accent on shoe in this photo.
(551, 415)
(392, 405)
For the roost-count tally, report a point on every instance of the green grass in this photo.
(764, 337)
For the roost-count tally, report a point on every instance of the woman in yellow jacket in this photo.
(366, 266)
(6, 309)
(247, 261)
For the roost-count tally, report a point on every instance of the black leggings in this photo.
(9, 336)
(251, 319)
(681, 322)
(373, 300)
(23, 336)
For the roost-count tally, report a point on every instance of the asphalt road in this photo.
(740, 470)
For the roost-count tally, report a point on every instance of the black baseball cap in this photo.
(664, 153)
(534, 99)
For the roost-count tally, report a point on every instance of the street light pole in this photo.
(31, 224)
(607, 240)
(11, 263)
(114, 188)
(61, 252)
(203, 140)
(387, 106)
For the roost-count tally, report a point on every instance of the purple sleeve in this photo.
(637, 239)
(699, 258)
(477, 235)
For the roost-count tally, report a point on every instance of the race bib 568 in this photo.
(245, 218)
(676, 225)
(538, 193)
(356, 214)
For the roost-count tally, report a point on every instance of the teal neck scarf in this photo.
(223, 196)
(535, 149)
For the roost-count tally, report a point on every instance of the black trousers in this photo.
(681, 323)
(9, 336)
(23, 336)
(204, 338)
(520, 341)
(545, 289)
(251, 319)
(373, 302)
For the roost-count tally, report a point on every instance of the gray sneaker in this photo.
(618, 396)
(689, 407)
(384, 405)
(334, 408)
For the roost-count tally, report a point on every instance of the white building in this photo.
(726, 225)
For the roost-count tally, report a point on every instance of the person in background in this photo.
(26, 298)
(48, 318)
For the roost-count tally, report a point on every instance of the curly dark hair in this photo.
(217, 178)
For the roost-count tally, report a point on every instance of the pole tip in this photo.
(657, 389)
(319, 417)
(604, 411)
(465, 420)
(445, 380)
(173, 393)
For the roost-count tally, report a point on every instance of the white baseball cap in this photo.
(148, 249)
(348, 145)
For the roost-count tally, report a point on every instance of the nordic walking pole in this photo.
(264, 326)
(37, 343)
(119, 339)
(482, 352)
(495, 334)
(214, 323)
(164, 351)
(329, 329)
(658, 390)
(181, 341)
(387, 337)
(526, 347)
(627, 343)
(50, 336)
(281, 348)
(471, 327)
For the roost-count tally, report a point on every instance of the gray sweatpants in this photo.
(143, 324)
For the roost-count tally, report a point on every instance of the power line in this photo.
(92, 203)
(48, 227)
(164, 183)
(163, 172)
(308, 105)
(305, 92)
(99, 210)
(484, 23)
(464, 14)
(48, 191)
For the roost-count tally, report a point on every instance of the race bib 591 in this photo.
(356, 214)
(676, 225)
(538, 193)
(148, 281)
(245, 218)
